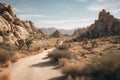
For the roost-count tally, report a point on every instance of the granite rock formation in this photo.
(106, 25)
(12, 28)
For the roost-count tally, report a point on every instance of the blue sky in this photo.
(65, 14)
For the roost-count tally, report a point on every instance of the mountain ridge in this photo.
(51, 30)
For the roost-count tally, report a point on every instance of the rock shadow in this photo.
(43, 64)
(58, 78)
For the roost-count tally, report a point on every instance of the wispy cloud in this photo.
(110, 6)
(65, 24)
(104, 4)
(18, 10)
(30, 16)
(95, 7)
(115, 11)
(82, 0)
(66, 21)
(100, 1)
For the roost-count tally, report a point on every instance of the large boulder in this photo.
(7, 16)
(21, 32)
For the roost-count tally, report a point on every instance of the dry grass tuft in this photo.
(59, 54)
(76, 69)
(62, 47)
(5, 76)
(106, 67)
(4, 56)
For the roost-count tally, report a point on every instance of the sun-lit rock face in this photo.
(12, 28)
(106, 25)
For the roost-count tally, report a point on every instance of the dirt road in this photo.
(34, 68)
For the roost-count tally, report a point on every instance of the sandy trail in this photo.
(34, 68)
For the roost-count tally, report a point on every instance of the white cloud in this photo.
(30, 16)
(82, 0)
(66, 21)
(95, 7)
(18, 10)
(100, 1)
(115, 11)
(108, 5)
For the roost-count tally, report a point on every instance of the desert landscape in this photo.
(30, 52)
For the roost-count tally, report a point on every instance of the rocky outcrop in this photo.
(79, 31)
(57, 34)
(12, 28)
(106, 25)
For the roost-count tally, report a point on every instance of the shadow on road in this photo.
(58, 78)
(57, 67)
(45, 57)
(43, 64)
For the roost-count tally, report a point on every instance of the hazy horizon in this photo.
(63, 14)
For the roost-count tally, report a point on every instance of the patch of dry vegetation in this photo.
(10, 53)
(62, 47)
(49, 43)
(106, 67)
(5, 58)
(61, 52)
(56, 55)
(96, 59)
(5, 76)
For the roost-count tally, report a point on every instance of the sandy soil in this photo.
(34, 68)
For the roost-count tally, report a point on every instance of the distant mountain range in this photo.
(51, 30)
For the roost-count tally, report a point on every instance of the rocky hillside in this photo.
(57, 34)
(79, 31)
(12, 28)
(106, 25)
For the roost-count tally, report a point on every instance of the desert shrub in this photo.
(4, 56)
(28, 42)
(76, 69)
(5, 76)
(6, 46)
(62, 47)
(84, 42)
(94, 44)
(20, 44)
(58, 54)
(105, 67)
